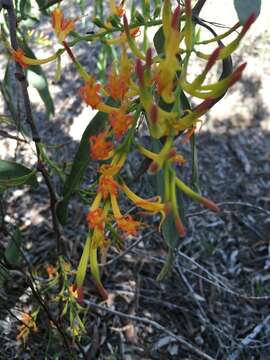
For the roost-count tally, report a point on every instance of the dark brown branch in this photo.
(198, 7)
(20, 76)
(7, 135)
(50, 3)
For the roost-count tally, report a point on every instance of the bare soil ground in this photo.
(217, 296)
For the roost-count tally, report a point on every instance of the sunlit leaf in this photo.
(37, 79)
(79, 165)
(245, 8)
(13, 174)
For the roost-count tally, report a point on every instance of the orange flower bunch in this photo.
(149, 85)
(146, 79)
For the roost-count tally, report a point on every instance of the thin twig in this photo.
(232, 203)
(153, 323)
(20, 76)
(249, 338)
(128, 249)
(7, 135)
(218, 283)
(198, 7)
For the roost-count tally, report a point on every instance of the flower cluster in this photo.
(152, 84)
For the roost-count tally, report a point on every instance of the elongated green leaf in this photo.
(245, 8)
(159, 40)
(6, 90)
(25, 8)
(12, 252)
(83, 264)
(13, 174)
(80, 163)
(37, 78)
(12, 255)
(185, 105)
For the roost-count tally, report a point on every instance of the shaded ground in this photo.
(218, 292)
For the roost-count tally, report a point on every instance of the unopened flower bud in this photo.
(125, 23)
(212, 59)
(176, 18)
(180, 227)
(140, 72)
(248, 24)
(209, 204)
(101, 290)
(148, 58)
(236, 75)
(153, 168)
(172, 153)
(188, 8)
(204, 106)
(154, 114)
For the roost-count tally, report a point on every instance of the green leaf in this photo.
(80, 164)
(37, 79)
(159, 40)
(185, 105)
(12, 255)
(12, 252)
(6, 90)
(82, 268)
(25, 8)
(245, 8)
(13, 174)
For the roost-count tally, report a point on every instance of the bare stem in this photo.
(20, 76)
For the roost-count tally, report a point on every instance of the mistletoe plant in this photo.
(150, 82)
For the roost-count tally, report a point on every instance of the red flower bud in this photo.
(126, 28)
(80, 295)
(153, 168)
(176, 18)
(148, 58)
(172, 153)
(204, 106)
(180, 227)
(188, 8)
(101, 290)
(140, 72)
(236, 75)
(154, 114)
(248, 23)
(209, 204)
(212, 59)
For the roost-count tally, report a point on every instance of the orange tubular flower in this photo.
(100, 148)
(28, 325)
(117, 85)
(109, 169)
(89, 93)
(123, 37)
(19, 56)
(148, 205)
(117, 10)
(107, 186)
(96, 218)
(120, 122)
(61, 26)
(51, 271)
(128, 225)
